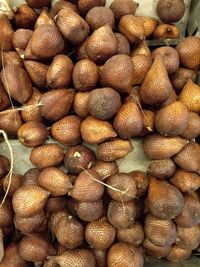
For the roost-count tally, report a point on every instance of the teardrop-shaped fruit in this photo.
(104, 103)
(189, 52)
(142, 182)
(85, 5)
(160, 147)
(87, 188)
(165, 201)
(155, 251)
(67, 130)
(44, 18)
(190, 96)
(28, 200)
(188, 237)
(101, 45)
(38, 3)
(189, 157)
(60, 72)
(105, 169)
(89, 211)
(16, 183)
(122, 254)
(85, 75)
(45, 42)
(161, 169)
(62, 4)
(114, 149)
(117, 73)
(47, 155)
(193, 128)
(123, 46)
(166, 31)
(141, 66)
(156, 86)
(10, 121)
(21, 38)
(73, 27)
(37, 72)
(24, 16)
(172, 120)
(132, 27)
(186, 182)
(171, 10)
(178, 254)
(4, 166)
(149, 25)
(6, 34)
(160, 232)
(170, 57)
(56, 104)
(141, 49)
(96, 131)
(59, 185)
(133, 235)
(4, 99)
(121, 8)
(80, 104)
(16, 83)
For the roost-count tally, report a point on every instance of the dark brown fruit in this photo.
(73, 27)
(56, 104)
(21, 38)
(100, 16)
(117, 73)
(165, 201)
(115, 149)
(6, 34)
(81, 51)
(31, 176)
(38, 3)
(133, 235)
(80, 104)
(141, 66)
(79, 158)
(55, 204)
(44, 18)
(48, 155)
(126, 255)
(16, 83)
(85, 5)
(6, 213)
(142, 182)
(67, 130)
(121, 215)
(121, 8)
(85, 75)
(10, 121)
(105, 169)
(155, 251)
(61, 4)
(4, 166)
(123, 46)
(162, 169)
(16, 183)
(188, 237)
(178, 254)
(171, 10)
(24, 17)
(4, 99)
(148, 122)
(166, 31)
(100, 257)
(104, 103)
(193, 128)
(60, 72)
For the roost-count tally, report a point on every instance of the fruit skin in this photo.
(6, 34)
(162, 169)
(121, 8)
(170, 10)
(85, 5)
(166, 31)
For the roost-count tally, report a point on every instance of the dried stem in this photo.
(21, 108)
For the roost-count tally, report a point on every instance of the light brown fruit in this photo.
(165, 201)
(44, 18)
(171, 99)
(80, 104)
(156, 86)
(142, 182)
(28, 200)
(55, 204)
(6, 214)
(190, 96)
(161, 169)
(105, 169)
(10, 58)
(16, 183)
(178, 254)
(166, 31)
(141, 66)
(81, 52)
(10, 121)
(24, 17)
(56, 217)
(161, 147)
(61, 4)
(6, 34)
(193, 128)
(148, 118)
(38, 3)
(132, 27)
(121, 8)
(85, 5)
(79, 158)
(69, 232)
(170, 11)
(123, 46)
(189, 157)
(73, 27)
(101, 45)
(47, 155)
(4, 99)
(30, 224)
(89, 211)
(188, 50)
(17, 83)
(35, 248)
(100, 16)
(104, 103)
(87, 188)
(149, 25)
(186, 182)
(4, 166)
(76, 257)
(60, 71)
(117, 73)
(56, 104)
(21, 38)
(172, 120)
(126, 255)
(95, 131)
(100, 257)
(155, 251)
(170, 57)
(85, 75)
(32, 134)
(133, 235)
(188, 237)
(114, 149)
(124, 183)
(141, 49)
(180, 77)
(54, 181)
(45, 42)
(31, 177)
(160, 232)
(121, 215)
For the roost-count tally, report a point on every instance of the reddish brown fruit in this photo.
(4, 166)
(178, 254)
(6, 214)
(4, 99)
(193, 128)
(133, 235)
(100, 257)
(31, 176)
(123, 46)
(44, 18)
(142, 182)
(21, 38)
(141, 49)
(85, 5)
(171, 99)
(55, 204)
(38, 3)
(121, 8)
(16, 183)
(162, 169)
(10, 121)
(141, 66)
(10, 58)
(56, 217)
(24, 16)
(155, 251)
(80, 104)
(166, 31)
(188, 237)
(105, 169)
(89, 211)
(149, 25)
(148, 118)
(61, 4)
(6, 34)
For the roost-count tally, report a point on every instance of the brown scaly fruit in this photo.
(121, 8)
(155, 251)
(24, 17)
(38, 3)
(171, 10)
(44, 18)
(141, 66)
(166, 31)
(193, 128)
(149, 24)
(161, 169)
(123, 46)
(80, 104)
(6, 34)
(61, 4)
(85, 5)
(178, 254)
(21, 38)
